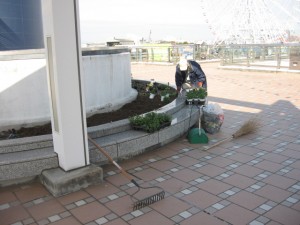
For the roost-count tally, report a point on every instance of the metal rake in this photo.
(137, 203)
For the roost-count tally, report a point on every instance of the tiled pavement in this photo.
(253, 179)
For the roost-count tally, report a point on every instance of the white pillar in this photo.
(63, 52)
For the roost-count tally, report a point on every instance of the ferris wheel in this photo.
(251, 21)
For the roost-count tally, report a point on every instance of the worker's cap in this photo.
(183, 64)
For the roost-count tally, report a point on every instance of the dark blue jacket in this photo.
(195, 74)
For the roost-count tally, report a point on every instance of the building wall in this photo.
(20, 25)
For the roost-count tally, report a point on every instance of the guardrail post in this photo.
(278, 56)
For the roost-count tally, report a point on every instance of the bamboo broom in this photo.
(250, 126)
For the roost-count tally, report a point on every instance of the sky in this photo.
(165, 19)
(101, 21)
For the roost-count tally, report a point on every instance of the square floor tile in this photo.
(170, 206)
(46, 209)
(292, 200)
(248, 171)
(218, 206)
(266, 146)
(239, 181)
(204, 218)
(152, 217)
(269, 166)
(33, 191)
(296, 206)
(273, 193)
(13, 214)
(149, 174)
(247, 200)
(265, 207)
(117, 180)
(201, 199)
(67, 221)
(254, 222)
(73, 197)
(296, 164)
(185, 214)
(129, 164)
(211, 170)
(241, 157)
(173, 185)
(280, 181)
(294, 174)
(116, 222)
(185, 175)
(277, 158)
(221, 161)
(7, 197)
(101, 190)
(163, 165)
(284, 215)
(196, 154)
(214, 186)
(248, 150)
(186, 161)
(137, 213)
(236, 215)
(90, 212)
(229, 192)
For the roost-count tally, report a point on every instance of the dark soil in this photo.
(142, 104)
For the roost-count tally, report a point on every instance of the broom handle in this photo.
(127, 175)
(200, 120)
(200, 114)
(218, 143)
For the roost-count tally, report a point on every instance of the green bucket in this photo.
(197, 136)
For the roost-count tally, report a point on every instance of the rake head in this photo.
(149, 200)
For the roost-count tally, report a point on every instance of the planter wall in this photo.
(24, 90)
(30, 154)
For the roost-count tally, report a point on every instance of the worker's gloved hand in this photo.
(200, 84)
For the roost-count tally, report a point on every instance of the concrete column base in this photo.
(59, 182)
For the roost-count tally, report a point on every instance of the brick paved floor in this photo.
(252, 180)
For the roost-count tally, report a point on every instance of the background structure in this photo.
(20, 25)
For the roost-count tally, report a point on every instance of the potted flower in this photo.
(164, 94)
(153, 92)
(202, 94)
(196, 96)
(164, 91)
(152, 89)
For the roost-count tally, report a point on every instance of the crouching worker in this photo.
(189, 75)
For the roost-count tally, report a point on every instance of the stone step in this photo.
(24, 144)
(17, 165)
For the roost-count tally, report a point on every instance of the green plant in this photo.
(162, 87)
(137, 120)
(152, 87)
(167, 91)
(164, 92)
(198, 93)
(150, 122)
(153, 90)
(167, 99)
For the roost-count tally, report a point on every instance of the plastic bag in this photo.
(212, 118)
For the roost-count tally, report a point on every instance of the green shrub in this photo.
(150, 122)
